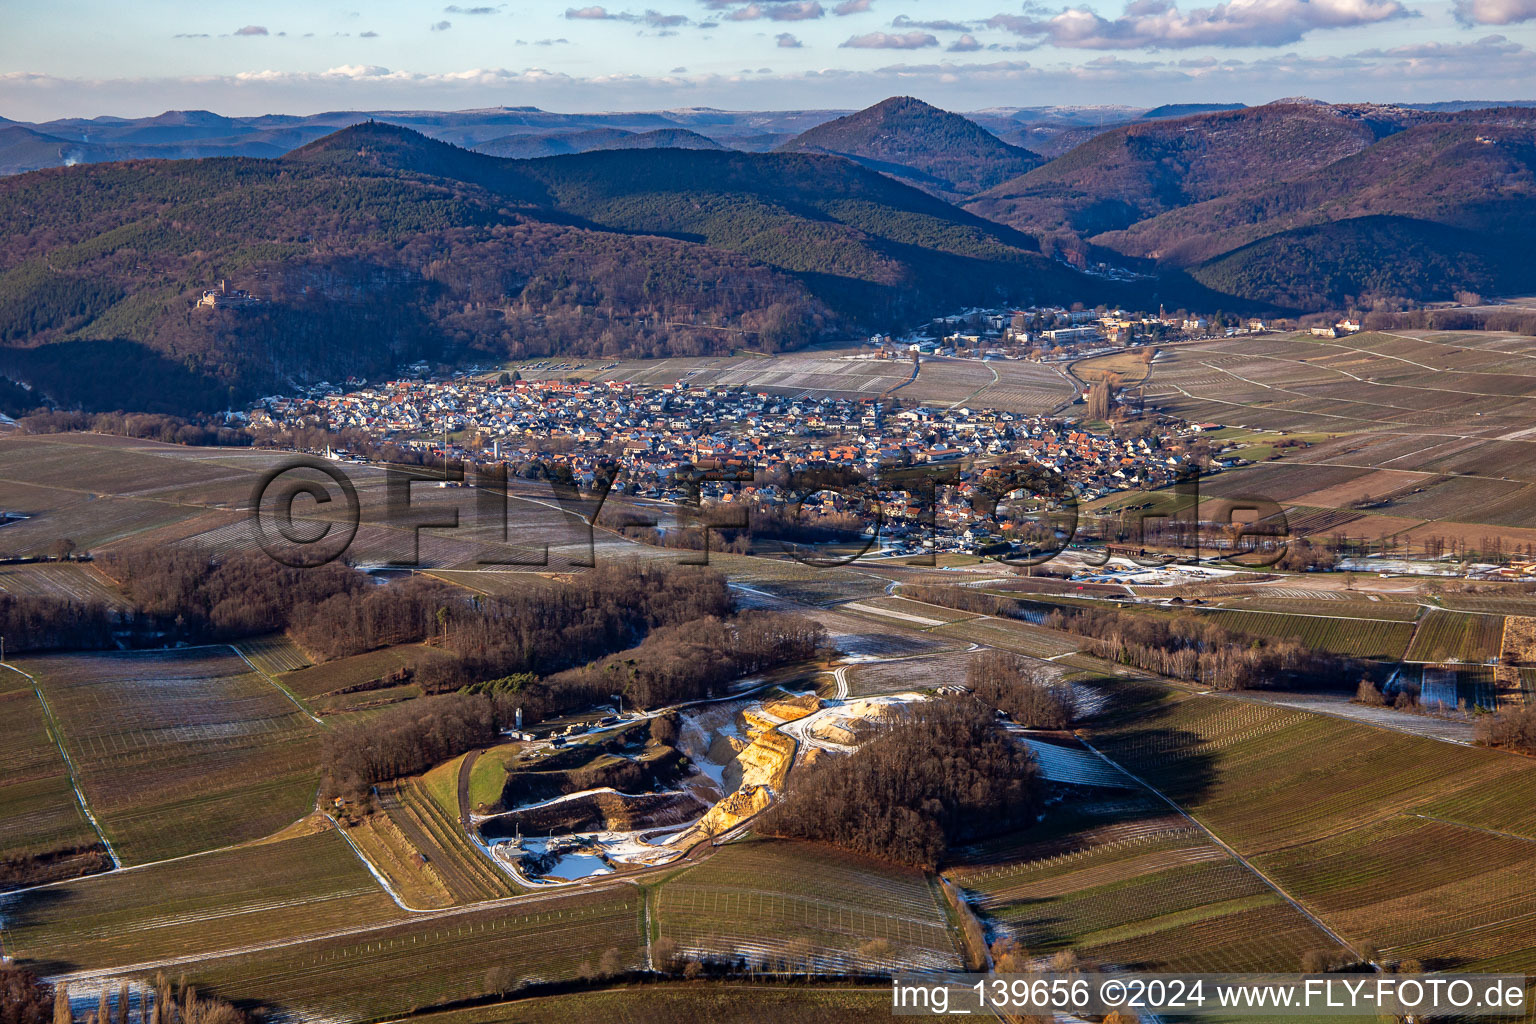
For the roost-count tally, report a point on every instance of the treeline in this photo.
(201, 596)
(148, 426)
(335, 611)
(1026, 691)
(1180, 647)
(608, 609)
(941, 775)
(41, 622)
(1513, 728)
(405, 740)
(674, 663)
(690, 660)
(1516, 320)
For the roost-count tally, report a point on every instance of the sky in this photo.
(72, 58)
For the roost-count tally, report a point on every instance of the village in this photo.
(1053, 333)
(651, 433)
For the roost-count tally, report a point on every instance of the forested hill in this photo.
(939, 152)
(1303, 205)
(377, 246)
(1128, 174)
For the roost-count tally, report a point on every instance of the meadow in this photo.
(180, 751)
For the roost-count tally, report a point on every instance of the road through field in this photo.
(192, 959)
(1316, 921)
(69, 765)
(279, 686)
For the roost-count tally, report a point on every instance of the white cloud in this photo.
(848, 7)
(965, 44)
(252, 30)
(942, 25)
(1494, 12)
(442, 26)
(1154, 24)
(799, 10)
(1412, 73)
(891, 41)
(786, 41)
(1484, 48)
(654, 19)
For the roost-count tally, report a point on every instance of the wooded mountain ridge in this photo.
(377, 245)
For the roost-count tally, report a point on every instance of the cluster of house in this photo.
(1338, 330)
(1051, 332)
(653, 432)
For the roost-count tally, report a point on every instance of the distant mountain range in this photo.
(183, 134)
(376, 245)
(654, 233)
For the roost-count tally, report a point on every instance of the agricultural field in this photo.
(1356, 383)
(306, 883)
(385, 971)
(915, 613)
(180, 751)
(1127, 883)
(73, 581)
(1306, 521)
(1391, 882)
(1130, 367)
(1324, 780)
(414, 879)
(1329, 603)
(39, 814)
(467, 874)
(1358, 637)
(906, 674)
(1502, 601)
(1453, 636)
(692, 1003)
(273, 655)
(1011, 635)
(1018, 386)
(790, 580)
(357, 674)
(793, 906)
